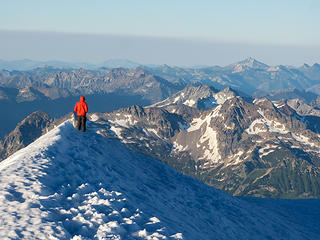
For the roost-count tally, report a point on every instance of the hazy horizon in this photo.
(173, 32)
(96, 48)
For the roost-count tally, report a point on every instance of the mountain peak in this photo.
(248, 63)
(201, 96)
(316, 65)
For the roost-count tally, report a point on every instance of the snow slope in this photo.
(74, 185)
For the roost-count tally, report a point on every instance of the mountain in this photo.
(202, 97)
(247, 64)
(28, 64)
(254, 148)
(56, 83)
(55, 91)
(27, 131)
(312, 72)
(156, 83)
(287, 94)
(316, 103)
(245, 148)
(74, 185)
(315, 89)
(247, 76)
(302, 108)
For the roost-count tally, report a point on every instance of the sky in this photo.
(176, 32)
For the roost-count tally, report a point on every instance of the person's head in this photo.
(82, 99)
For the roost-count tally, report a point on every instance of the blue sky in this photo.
(283, 27)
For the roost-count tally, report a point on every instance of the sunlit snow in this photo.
(74, 185)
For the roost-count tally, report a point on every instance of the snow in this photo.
(267, 149)
(126, 121)
(265, 125)
(259, 100)
(190, 102)
(222, 96)
(208, 136)
(235, 159)
(152, 130)
(116, 130)
(238, 68)
(306, 141)
(303, 139)
(178, 147)
(278, 105)
(74, 185)
(176, 99)
(212, 151)
(196, 123)
(94, 117)
(273, 69)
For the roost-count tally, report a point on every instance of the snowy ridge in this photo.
(202, 97)
(74, 185)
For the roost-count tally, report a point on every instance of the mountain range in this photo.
(244, 146)
(73, 185)
(249, 76)
(28, 64)
(250, 139)
(22, 92)
(252, 148)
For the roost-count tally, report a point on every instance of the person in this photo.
(81, 108)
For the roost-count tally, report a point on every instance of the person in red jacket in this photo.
(81, 108)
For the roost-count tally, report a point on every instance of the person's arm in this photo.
(86, 107)
(75, 108)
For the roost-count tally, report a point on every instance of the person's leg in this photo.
(78, 122)
(84, 120)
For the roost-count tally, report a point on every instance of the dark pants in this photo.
(81, 123)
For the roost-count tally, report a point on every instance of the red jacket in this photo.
(81, 107)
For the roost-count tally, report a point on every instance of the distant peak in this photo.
(250, 59)
(248, 63)
(316, 65)
(252, 62)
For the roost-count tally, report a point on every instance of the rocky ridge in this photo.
(55, 83)
(245, 148)
(29, 129)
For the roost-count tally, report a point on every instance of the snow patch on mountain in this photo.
(178, 147)
(224, 95)
(198, 122)
(124, 121)
(190, 102)
(263, 124)
(306, 141)
(235, 159)
(267, 149)
(208, 139)
(212, 151)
